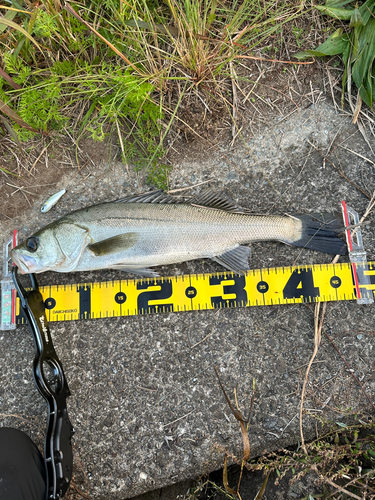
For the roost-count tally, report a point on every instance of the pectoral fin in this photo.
(237, 260)
(114, 244)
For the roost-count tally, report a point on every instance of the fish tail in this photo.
(320, 232)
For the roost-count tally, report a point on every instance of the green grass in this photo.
(355, 43)
(120, 64)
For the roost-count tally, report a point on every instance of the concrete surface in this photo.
(146, 404)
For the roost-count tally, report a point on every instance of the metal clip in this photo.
(357, 256)
(50, 381)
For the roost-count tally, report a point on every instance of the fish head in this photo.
(56, 247)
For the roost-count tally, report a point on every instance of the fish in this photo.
(52, 200)
(139, 232)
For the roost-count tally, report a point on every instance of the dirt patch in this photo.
(204, 123)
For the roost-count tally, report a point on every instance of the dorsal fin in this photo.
(158, 196)
(207, 199)
(219, 201)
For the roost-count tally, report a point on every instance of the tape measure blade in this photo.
(267, 287)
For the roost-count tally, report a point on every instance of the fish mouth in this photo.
(23, 263)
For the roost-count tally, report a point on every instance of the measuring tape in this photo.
(260, 287)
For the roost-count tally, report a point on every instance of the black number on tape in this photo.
(301, 284)
(191, 292)
(335, 282)
(262, 287)
(238, 288)
(84, 301)
(164, 293)
(120, 298)
(50, 303)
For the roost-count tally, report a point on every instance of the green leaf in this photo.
(8, 172)
(9, 79)
(335, 44)
(152, 27)
(356, 19)
(362, 67)
(343, 14)
(12, 132)
(337, 3)
(14, 116)
(212, 15)
(341, 424)
(367, 10)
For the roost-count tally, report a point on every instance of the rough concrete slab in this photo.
(146, 404)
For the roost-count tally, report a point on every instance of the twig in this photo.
(317, 339)
(253, 87)
(36, 161)
(178, 419)
(357, 154)
(235, 100)
(273, 60)
(79, 492)
(339, 171)
(206, 337)
(189, 187)
(122, 145)
(339, 488)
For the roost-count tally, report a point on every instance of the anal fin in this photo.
(236, 260)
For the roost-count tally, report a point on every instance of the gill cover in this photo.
(72, 240)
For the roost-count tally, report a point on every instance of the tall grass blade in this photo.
(14, 116)
(11, 14)
(19, 28)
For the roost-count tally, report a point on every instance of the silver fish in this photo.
(139, 232)
(52, 200)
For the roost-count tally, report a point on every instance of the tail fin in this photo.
(319, 232)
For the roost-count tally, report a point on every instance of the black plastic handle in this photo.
(51, 382)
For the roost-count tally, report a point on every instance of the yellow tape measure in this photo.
(259, 287)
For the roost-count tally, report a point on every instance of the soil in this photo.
(201, 128)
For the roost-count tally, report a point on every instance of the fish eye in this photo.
(32, 244)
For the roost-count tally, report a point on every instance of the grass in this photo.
(355, 43)
(340, 462)
(123, 65)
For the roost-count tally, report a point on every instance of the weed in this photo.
(297, 33)
(342, 458)
(356, 45)
(158, 175)
(120, 60)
